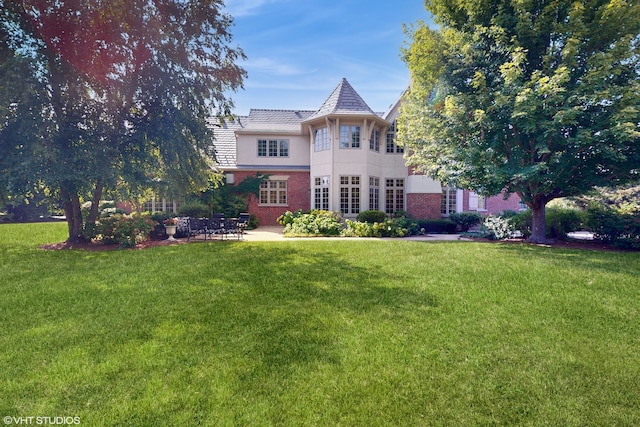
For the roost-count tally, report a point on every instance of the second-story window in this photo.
(321, 142)
(273, 148)
(392, 147)
(349, 136)
(374, 142)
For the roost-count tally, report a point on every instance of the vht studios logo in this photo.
(52, 421)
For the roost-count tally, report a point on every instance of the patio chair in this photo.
(196, 227)
(243, 223)
(231, 227)
(215, 226)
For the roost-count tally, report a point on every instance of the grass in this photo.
(355, 332)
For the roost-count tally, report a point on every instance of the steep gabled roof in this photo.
(343, 100)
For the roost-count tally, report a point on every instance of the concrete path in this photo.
(266, 234)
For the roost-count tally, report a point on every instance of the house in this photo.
(342, 157)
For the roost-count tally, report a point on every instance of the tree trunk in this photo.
(73, 212)
(538, 223)
(95, 203)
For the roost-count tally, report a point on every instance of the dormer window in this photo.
(349, 136)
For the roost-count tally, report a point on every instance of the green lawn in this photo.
(320, 332)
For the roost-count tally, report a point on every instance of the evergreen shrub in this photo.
(465, 220)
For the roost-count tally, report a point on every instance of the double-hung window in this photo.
(273, 148)
(349, 136)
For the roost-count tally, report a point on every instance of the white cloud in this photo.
(273, 67)
(246, 7)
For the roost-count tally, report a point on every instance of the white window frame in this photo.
(394, 195)
(321, 139)
(350, 195)
(321, 192)
(350, 136)
(273, 148)
(273, 193)
(391, 146)
(374, 193)
(374, 141)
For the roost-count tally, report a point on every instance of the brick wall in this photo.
(424, 206)
(497, 204)
(298, 196)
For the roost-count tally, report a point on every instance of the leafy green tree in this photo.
(111, 96)
(538, 98)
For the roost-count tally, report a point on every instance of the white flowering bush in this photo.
(500, 228)
(314, 223)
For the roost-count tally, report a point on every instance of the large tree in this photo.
(112, 94)
(539, 98)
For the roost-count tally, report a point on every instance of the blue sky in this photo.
(299, 50)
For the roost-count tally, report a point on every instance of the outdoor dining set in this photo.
(217, 225)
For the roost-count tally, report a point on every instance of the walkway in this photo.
(266, 234)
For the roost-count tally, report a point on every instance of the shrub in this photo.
(194, 210)
(314, 223)
(437, 226)
(288, 217)
(560, 221)
(465, 220)
(372, 216)
(500, 228)
(125, 230)
(508, 213)
(521, 222)
(360, 229)
(622, 230)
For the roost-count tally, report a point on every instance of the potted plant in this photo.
(170, 226)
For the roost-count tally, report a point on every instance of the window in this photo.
(273, 148)
(391, 140)
(349, 136)
(321, 193)
(273, 193)
(159, 204)
(374, 142)
(477, 202)
(374, 193)
(394, 200)
(449, 202)
(482, 203)
(350, 194)
(321, 141)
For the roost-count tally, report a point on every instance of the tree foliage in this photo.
(104, 96)
(538, 98)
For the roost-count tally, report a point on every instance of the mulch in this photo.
(93, 246)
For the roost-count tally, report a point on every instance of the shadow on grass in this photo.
(585, 259)
(284, 308)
